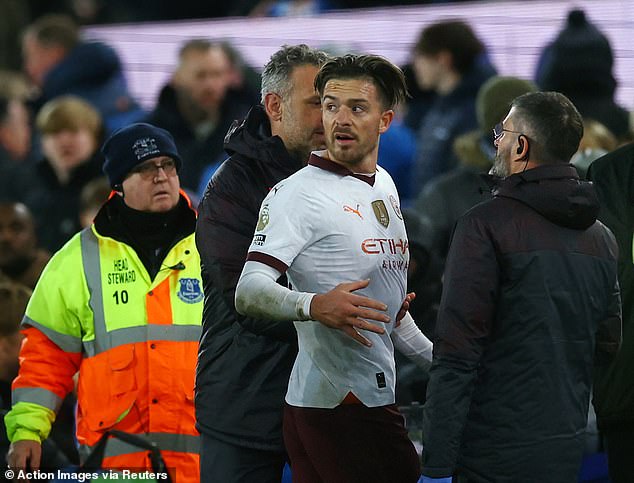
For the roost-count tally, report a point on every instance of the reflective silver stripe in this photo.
(67, 343)
(182, 443)
(105, 340)
(130, 335)
(169, 332)
(92, 272)
(36, 395)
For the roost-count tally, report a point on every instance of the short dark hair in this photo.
(553, 124)
(55, 29)
(456, 37)
(276, 76)
(387, 77)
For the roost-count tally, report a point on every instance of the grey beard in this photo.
(499, 168)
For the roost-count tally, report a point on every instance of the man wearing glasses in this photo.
(120, 303)
(530, 302)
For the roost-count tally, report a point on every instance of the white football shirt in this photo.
(324, 226)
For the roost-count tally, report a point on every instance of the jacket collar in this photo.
(547, 171)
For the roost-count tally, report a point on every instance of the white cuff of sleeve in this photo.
(259, 295)
(412, 343)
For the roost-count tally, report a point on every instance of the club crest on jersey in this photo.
(189, 290)
(395, 206)
(380, 211)
(263, 220)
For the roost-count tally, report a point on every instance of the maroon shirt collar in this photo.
(328, 165)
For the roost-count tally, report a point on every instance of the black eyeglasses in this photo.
(150, 169)
(499, 129)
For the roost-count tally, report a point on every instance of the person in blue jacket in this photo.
(60, 62)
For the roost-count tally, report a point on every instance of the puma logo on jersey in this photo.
(350, 209)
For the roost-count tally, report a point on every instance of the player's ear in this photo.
(386, 120)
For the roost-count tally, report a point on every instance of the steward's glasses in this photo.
(149, 170)
(499, 129)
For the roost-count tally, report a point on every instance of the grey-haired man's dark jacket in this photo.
(243, 364)
(530, 304)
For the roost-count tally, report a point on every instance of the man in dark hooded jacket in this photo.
(530, 303)
(244, 364)
(613, 177)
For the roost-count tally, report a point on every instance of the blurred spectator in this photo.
(447, 197)
(291, 8)
(197, 107)
(13, 83)
(15, 130)
(578, 63)
(15, 144)
(451, 60)
(244, 80)
(13, 300)
(91, 198)
(597, 140)
(419, 101)
(71, 133)
(597, 136)
(613, 399)
(20, 257)
(59, 63)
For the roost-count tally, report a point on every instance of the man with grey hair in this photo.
(244, 363)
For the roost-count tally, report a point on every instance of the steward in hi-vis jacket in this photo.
(120, 303)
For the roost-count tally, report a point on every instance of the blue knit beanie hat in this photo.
(133, 144)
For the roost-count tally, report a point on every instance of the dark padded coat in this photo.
(243, 364)
(530, 299)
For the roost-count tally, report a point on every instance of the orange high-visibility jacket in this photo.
(134, 342)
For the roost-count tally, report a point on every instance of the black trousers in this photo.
(619, 443)
(221, 462)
